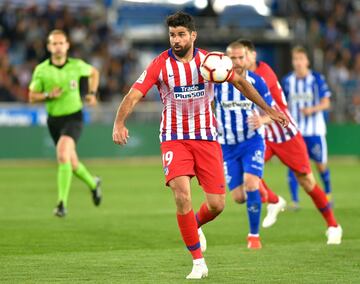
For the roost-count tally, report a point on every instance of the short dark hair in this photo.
(181, 19)
(247, 43)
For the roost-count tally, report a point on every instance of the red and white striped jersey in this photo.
(187, 97)
(274, 132)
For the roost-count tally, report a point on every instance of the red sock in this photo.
(204, 215)
(319, 198)
(271, 196)
(188, 229)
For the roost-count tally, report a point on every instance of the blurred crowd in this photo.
(331, 31)
(23, 33)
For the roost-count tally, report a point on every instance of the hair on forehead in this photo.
(247, 43)
(234, 45)
(181, 19)
(299, 49)
(57, 32)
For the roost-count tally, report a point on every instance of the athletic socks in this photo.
(189, 232)
(293, 186)
(325, 177)
(253, 203)
(204, 215)
(64, 181)
(271, 196)
(82, 173)
(319, 198)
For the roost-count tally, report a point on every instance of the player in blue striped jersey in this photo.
(308, 97)
(242, 145)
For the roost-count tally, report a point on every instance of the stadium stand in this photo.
(330, 30)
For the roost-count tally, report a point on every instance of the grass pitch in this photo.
(133, 237)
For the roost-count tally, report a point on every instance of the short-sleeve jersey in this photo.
(47, 76)
(306, 92)
(233, 110)
(274, 132)
(186, 97)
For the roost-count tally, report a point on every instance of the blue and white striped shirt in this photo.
(303, 93)
(233, 110)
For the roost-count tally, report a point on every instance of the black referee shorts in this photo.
(70, 125)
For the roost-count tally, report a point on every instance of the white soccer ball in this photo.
(216, 67)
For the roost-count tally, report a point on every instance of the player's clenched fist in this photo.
(120, 135)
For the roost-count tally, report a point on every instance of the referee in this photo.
(55, 81)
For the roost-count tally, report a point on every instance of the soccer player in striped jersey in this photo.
(187, 130)
(242, 146)
(289, 146)
(308, 96)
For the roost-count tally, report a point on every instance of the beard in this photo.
(182, 51)
(239, 70)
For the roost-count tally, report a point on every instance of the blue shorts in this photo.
(317, 148)
(244, 157)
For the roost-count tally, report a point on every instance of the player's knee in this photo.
(321, 167)
(307, 181)
(238, 195)
(217, 207)
(183, 201)
(63, 157)
(239, 199)
(251, 182)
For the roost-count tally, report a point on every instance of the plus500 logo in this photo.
(189, 92)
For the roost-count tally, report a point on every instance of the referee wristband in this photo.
(92, 93)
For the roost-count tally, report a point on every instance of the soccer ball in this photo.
(216, 67)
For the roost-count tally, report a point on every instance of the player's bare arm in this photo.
(94, 79)
(249, 91)
(323, 105)
(120, 132)
(35, 97)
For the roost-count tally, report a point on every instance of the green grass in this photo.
(133, 236)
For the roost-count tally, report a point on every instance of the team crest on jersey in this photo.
(189, 92)
(166, 170)
(141, 79)
(73, 84)
(316, 151)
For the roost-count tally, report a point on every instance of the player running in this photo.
(308, 96)
(289, 146)
(187, 130)
(56, 82)
(243, 147)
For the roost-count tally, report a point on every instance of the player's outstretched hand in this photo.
(91, 100)
(278, 116)
(120, 135)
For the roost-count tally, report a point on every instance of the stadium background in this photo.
(120, 38)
